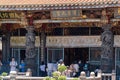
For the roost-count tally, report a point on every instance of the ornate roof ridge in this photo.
(56, 5)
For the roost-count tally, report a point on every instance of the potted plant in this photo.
(56, 74)
(47, 78)
(62, 78)
(62, 68)
(75, 79)
(4, 74)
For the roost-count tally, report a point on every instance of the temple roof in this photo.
(56, 4)
(52, 2)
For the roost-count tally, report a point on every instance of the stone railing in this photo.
(22, 78)
(100, 76)
(109, 76)
(91, 77)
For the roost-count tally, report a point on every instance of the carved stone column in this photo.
(107, 60)
(30, 50)
(42, 42)
(6, 47)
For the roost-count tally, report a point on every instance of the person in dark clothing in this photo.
(80, 67)
(86, 68)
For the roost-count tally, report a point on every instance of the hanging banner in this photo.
(9, 15)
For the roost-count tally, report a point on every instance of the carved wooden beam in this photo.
(61, 21)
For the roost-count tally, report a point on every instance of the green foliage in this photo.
(53, 79)
(47, 78)
(56, 74)
(75, 79)
(4, 74)
(62, 78)
(1, 78)
(62, 68)
(50, 78)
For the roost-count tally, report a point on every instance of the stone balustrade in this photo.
(100, 76)
(91, 77)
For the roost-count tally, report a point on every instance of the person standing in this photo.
(86, 68)
(61, 63)
(76, 67)
(68, 72)
(22, 66)
(96, 70)
(49, 68)
(13, 65)
(42, 69)
(80, 66)
(1, 66)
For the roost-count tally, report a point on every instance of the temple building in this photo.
(50, 30)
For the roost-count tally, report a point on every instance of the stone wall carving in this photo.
(73, 41)
(66, 41)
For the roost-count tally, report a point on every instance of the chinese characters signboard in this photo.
(117, 13)
(66, 14)
(9, 15)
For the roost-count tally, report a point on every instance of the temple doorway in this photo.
(18, 54)
(76, 54)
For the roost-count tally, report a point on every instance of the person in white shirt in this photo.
(96, 70)
(42, 69)
(13, 65)
(76, 67)
(49, 68)
(54, 66)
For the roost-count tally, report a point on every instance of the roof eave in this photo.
(55, 7)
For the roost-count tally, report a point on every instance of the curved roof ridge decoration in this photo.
(50, 2)
(55, 4)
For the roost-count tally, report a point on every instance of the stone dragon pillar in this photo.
(107, 38)
(107, 61)
(30, 47)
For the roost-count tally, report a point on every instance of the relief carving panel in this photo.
(66, 41)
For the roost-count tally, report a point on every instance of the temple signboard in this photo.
(9, 15)
(66, 14)
(117, 13)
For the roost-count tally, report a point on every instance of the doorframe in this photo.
(13, 54)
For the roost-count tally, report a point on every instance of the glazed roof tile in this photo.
(55, 4)
(52, 2)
